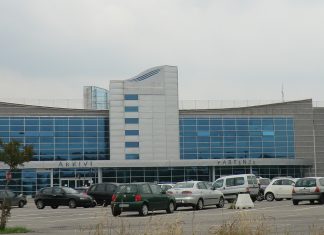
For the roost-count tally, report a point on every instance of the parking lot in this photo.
(280, 217)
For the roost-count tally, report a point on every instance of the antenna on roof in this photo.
(282, 93)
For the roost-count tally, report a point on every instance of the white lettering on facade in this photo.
(75, 164)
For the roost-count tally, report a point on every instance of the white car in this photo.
(279, 189)
(196, 194)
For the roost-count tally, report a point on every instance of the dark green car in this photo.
(141, 197)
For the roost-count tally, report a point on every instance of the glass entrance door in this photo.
(75, 183)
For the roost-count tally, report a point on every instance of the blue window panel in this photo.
(76, 128)
(229, 144)
(203, 128)
(268, 144)
(61, 134)
(90, 128)
(132, 156)
(243, 138)
(46, 128)
(46, 140)
(90, 140)
(216, 156)
(61, 146)
(189, 122)
(255, 122)
(17, 122)
(203, 139)
(189, 145)
(267, 121)
(217, 122)
(242, 128)
(189, 128)
(267, 128)
(204, 156)
(16, 134)
(90, 134)
(131, 144)
(61, 128)
(90, 157)
(217, 150)
(280, 122)
(243, 150)
(4, 128)
(290, 133)
(255, 155)
(4, 121)
(255, 133)
(90, 122)
(242, 122)
(31, 128)
(216, 133)
(241, 155)
(281, 128)
(191, 150)
(190, 156)
(76, 140)
(16, 128)
(216, 139)
(131, 108)
(61, 121)
(242, 133)
(229, 155)
(282, 149)
(242, 144)
(203, 145)
(204, 122)
(75, 134)
(203, 133)
(189, 134)
(46, 133)
(102, 134)
(31, 140)
(255, 150)
(268, 138)
(75, 122)
(76, 146)
(229, 122)
(131, 97)
(216, 128)
(46, 146)
(131, 132)
(280, 133)
(216, 144)
(19, 139)
(230, 133)
(256, 144)
(46, 152)
(281, 155)
(255, 128)
(229, 128)
(46, 122)
(281, 138)
(269, 150)
(131, 120)
(229, 139)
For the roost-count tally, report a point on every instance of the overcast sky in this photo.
(224, 50)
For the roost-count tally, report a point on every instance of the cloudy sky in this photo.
(224, 50)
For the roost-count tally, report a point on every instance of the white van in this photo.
(232, 185)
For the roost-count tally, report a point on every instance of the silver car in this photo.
(196, 194)
(309, 189)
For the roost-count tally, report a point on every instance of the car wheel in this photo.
(144, 210)
(295, 202)
(220, 203)
(72, 203)
(260, 197)
(170, 208)
(269, 197)
(279, 199)
(115, 211)
(54, 206)
(21, 204)
(40, 204)
(200, 204)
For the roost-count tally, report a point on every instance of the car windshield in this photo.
(70, 191)
(129, 188)
(264, 181)
(306, 183)
(184, 185)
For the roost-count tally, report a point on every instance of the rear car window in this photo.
(47, 191)
(127, 189)
(156, 189)
(252, 179)
(184, 185)
(306, 183)
(144, 188)
(264, 181)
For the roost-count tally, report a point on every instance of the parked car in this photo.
(308, 189)
(82, 190)
(279, 189)
(102, 192)
(62, 196)
(141, 197)
(233, 185)
(263, 183)
(166, 187)
(15, 199)
(196, 194)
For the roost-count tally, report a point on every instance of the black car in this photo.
(102, 192)
(62, 196)
(15, 199)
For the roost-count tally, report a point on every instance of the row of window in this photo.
(227, 121)
(56, 121)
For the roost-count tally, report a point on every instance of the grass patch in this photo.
(14, 230)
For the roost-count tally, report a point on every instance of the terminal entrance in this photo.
(75, 183)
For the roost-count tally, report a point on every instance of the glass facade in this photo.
(60, 138)
(95, 98)
(215, 137)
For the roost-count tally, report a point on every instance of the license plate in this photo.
(123, 205)
(305, 190)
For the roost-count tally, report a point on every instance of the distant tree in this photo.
(12, 154)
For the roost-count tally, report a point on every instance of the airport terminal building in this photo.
(145, 137)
